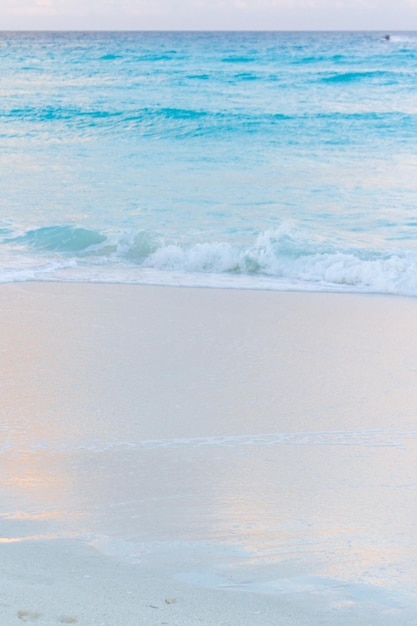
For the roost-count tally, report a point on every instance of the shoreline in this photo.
(225, 456)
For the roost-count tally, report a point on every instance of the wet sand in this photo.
(186, 456)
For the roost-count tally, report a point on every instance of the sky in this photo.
(386, 15)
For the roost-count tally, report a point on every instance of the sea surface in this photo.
(271, 160)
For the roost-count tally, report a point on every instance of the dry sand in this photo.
(194, 456)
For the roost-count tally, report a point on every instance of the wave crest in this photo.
(60, 238)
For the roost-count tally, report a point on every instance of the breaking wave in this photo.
(283, 258)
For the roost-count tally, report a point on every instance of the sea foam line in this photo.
(370, 438)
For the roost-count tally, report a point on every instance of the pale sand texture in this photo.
(193, 456)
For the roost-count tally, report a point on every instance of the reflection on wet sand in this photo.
(289, 511)
(37, 490)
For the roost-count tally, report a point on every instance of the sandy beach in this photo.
(193, 456)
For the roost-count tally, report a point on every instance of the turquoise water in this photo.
(275, 160)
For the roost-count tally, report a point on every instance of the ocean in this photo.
(275, 160)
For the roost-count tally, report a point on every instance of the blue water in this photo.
(257, 160)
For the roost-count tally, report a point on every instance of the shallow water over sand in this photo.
(235, 453)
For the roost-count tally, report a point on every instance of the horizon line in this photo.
(205, 30)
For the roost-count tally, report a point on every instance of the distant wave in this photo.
(281, 258)
(351, 76)
(188, 123)
(237, 58)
